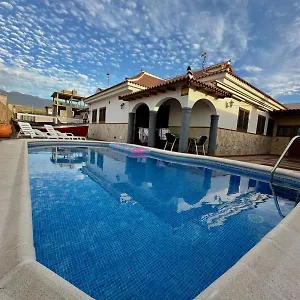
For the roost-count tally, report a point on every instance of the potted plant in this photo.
(5, 129)
(5, 126)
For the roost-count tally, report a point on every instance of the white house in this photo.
(235, 115)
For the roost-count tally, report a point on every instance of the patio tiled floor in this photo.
(270, 160)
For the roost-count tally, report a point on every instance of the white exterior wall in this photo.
(175, 113)
(203, 106)
(154, 101)
(114, 112)
(229, 116)
(110, 100)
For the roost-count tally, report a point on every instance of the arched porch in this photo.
(141, 124)
(188, 121)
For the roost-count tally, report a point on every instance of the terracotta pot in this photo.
(5, 130)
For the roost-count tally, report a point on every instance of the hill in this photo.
(25, 99)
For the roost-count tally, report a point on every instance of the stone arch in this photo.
(202, 109)
(133, 110)
(163, 101)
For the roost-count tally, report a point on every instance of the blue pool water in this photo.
(120, 227)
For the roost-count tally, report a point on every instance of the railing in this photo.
(65, 120)
(35, 118)
(73, 105)
(282, 156)
(273, 172)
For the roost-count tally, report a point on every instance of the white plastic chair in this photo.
(27, 130)
(62, 135)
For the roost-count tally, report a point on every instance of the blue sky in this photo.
(49, 45)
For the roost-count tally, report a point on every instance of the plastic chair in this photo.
(171, 140)
(200, 142)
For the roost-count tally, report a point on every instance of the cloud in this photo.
(251, 69)
(132, 4)
(127, 12)
(17, 78)
(6, 5)
(196, 46)
(67, 39)
(84, 77)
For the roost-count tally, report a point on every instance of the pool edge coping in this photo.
(21, 276)
(53, 283)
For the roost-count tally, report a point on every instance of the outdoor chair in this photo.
(171, 140)
(27, 131)
(200, 142)
(62, 135)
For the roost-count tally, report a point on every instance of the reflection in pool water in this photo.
(123, 227)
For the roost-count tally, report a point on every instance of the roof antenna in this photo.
(204, 54)
(107, 79)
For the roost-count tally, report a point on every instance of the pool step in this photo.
(290, 193)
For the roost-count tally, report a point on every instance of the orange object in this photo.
(5, 130)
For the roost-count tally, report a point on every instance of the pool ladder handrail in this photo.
(282, 156)
(273, 172)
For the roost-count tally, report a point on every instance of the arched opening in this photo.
(168, 119)
(201, 120)
(141, 124)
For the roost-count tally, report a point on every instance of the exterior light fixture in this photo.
(229, 104)
(121, 105)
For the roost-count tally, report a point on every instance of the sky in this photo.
(49, 45)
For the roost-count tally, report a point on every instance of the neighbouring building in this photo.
(49, 110)
(238, 118)
(66, 104)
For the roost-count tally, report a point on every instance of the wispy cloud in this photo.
(6, 5)
(73, 44)
(251, 69)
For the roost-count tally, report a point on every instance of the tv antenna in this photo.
(107, 79)
(204, 54)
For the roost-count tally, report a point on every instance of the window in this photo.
(243, 119)
(284, 131)
(94, 115)
(296, 130)
(270, 128)
(261, 121)
(102, 113)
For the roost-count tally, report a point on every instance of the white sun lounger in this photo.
(62, 135)
(28, 131)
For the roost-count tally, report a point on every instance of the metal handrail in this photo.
(282, 156)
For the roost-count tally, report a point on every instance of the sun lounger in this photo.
(27, 131)
(62, 135)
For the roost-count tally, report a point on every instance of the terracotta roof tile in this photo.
(292, 105)
(146, 79)
(208, 86)
(208, 71)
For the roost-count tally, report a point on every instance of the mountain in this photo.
(26, 100)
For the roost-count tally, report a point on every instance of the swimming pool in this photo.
(119, 226)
